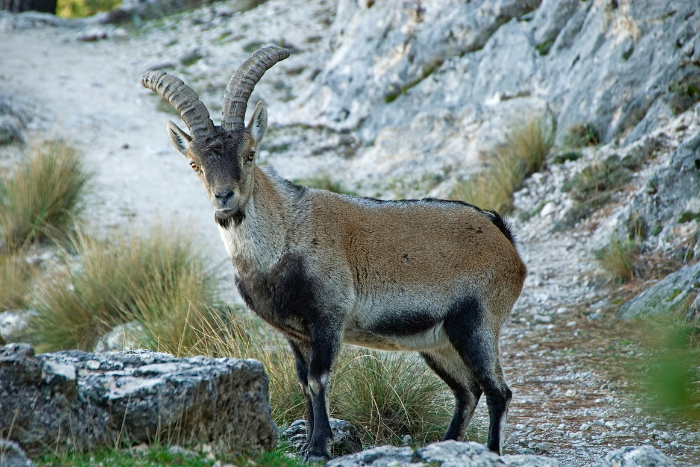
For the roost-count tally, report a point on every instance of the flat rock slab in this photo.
(459, 454)
(79, 401)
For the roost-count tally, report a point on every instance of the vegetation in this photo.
(15, 282)
(523, 154)
(43, 196)
(83, 8)
(566, 156)
(617, 259)
(684, 93)
(152, 279)
(593, 186)
(425, 71)
(159, 456)
(582, 135)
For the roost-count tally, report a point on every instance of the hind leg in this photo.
(448, 365)
(477, 344)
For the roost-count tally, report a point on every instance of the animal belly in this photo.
(428, 339)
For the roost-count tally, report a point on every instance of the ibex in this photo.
(434, 276)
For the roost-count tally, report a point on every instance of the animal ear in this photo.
(258, 124)
(178, 138)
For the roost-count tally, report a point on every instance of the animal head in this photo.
(223, 157)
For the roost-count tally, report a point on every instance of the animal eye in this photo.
(194, 166)
(251, 154)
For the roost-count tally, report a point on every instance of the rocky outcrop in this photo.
(346, 439)
(428, 86)
(667, 295)
(79, 401)
(457, 454)
(11, 455)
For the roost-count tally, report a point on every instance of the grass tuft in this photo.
(43, 196)
(617, 259)
(151, 278)
(581, 135)
(15, 282)
(523, 154)
(592, 188)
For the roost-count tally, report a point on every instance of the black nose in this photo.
(224, 196)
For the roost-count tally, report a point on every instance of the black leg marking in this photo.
(465, 390)
(324, 347)
(477, 344)
(301, 362)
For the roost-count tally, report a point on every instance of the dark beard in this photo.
(225, 221)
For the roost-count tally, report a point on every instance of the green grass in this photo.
(523, 154)
(152, 278)
(324, 182)
(158, 456)
(617, 259)
(15, 282)
(43, 195)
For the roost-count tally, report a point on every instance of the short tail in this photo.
(501, 223)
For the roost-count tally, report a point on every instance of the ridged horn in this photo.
(243, 81)
(183, 98)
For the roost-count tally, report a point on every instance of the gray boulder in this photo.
(444, 454)
(346, 439)
(665, 295)
(639, 456)
(11, 455)
(127, 336)
(80, 401)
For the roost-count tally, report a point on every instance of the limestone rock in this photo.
(126, 336)
(80, 401)
(11, 455)
(664, 295)
(446, 453)
(639, 456)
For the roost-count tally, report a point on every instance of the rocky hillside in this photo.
(398, 99)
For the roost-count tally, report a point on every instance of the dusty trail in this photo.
(563, 407)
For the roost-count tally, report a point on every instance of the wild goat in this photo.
(433, 276)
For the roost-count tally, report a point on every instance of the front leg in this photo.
(325, 343)
(301, 354)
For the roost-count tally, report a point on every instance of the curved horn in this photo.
(183, 98)
(242, 83)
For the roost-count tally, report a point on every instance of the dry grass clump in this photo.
(617, 259)
(43, 194)
(385, 395)
(150, 278)
(523, 154)
(581, 135)
(15, 282)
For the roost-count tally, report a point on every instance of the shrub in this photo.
(43, 195)
(581, 135)
(593, 186)
(523, 154)
(15, 282)
(151, 278)
(617, 259)
(684, 94)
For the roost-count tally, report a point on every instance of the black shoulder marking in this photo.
(502, 225)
